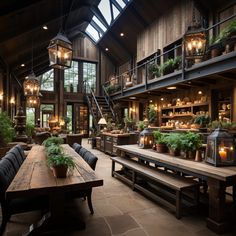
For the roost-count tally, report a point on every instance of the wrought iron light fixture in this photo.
(60, 52)
(146, 138)
(221, 148)
(60, 48)
(195, 41)
(31, 85)
(32, 101)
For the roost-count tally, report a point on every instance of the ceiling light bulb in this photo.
(22, 65)
(121, 34)
(106, 49)
(162, 99)
(45, 27)
(171, 87)
(200, 92)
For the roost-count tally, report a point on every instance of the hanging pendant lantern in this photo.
(32, 101)
(195, 43)
(31, 85)
(60, 52)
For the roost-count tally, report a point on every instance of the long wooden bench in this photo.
(171, 181)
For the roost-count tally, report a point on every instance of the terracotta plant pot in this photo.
(59, 171)
(161, 148)
(175, 152)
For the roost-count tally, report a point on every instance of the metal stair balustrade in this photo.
(109, 101)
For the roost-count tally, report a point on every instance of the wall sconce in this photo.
(146, 138)
(220, 149)
(12, 101)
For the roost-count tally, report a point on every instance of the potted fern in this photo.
(160, 140)
(57, 160)
(173, 142)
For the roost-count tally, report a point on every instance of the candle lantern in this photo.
(146, 138)
(221, 148)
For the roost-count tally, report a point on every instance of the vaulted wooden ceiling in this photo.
(21, 31)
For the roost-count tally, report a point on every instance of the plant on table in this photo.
(173, 142)
(56, 159)
(190, 143)
(160, 140)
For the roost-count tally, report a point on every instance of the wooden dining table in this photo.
(35, 178)
(217, 178)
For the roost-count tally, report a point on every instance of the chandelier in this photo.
(32, 101)
(31, 85)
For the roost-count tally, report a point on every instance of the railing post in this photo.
(146, 75)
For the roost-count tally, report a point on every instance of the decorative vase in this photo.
(60, 171)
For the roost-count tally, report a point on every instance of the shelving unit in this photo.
(186, 112)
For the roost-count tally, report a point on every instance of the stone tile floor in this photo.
(119, 211)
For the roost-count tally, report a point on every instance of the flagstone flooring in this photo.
(119, 211)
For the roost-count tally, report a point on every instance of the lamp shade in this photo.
(60, 52)
(102, 121)
(31, 85)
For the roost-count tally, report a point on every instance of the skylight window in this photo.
(115, 11)
(99, 23)
(110, 9)
(93, 33)
(121, 3)
(104, 7)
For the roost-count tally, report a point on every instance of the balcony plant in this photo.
(190, 143)
(161, 141)
(173, 142)
(167, 67)
(154, 71)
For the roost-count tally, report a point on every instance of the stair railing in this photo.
(109, 101)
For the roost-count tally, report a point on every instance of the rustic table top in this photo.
(35, 177)
(200, 168)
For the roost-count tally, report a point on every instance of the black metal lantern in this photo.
(146, 138)
(195, 43)
(60, 52)
(31, 85)
(32, 101)
(221, 148)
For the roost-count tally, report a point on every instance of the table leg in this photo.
(55, 219)
(216, 220)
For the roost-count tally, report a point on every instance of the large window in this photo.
(69, 114)
(89, 76)
(47, 81)
(30, 115)
(71, 78)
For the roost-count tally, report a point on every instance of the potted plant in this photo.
(30, 131)
(190, 143)
(7, 133)
(152, 115)
(129, 123)
(60, 164)
(173, 142)
(141, 125)
(160, 140)
(168, 66)
(203, 121)
(53, 140)
(154, 70)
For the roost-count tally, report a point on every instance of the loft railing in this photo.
(144, 72)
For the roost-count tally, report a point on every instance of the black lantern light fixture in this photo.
(60, 48)
(146, 138)
(32, 101)
(220, 149)
(195, 41)
(31, 85)
(60, 52)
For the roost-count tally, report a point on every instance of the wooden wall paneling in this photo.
(167, 28)
(107, 68)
